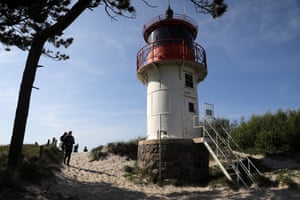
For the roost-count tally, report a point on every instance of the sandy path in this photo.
(104, 179)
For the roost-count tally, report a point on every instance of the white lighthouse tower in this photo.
(171, 65)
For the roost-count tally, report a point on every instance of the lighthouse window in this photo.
(191, 107)
(189, 81)
(170, 34)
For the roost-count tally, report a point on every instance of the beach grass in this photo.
(39, 163)
(127, 149)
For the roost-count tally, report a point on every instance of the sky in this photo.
(253, 58)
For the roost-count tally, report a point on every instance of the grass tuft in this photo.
(39, 163)
(127, 149)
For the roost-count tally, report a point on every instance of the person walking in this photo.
(68, 141)
(85, 149)
(62, 140)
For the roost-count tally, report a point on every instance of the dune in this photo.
(104, 179)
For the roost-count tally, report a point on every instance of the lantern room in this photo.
(171, 37)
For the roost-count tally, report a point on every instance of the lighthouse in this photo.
(171, 65)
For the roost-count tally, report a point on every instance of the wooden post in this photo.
(41, 151)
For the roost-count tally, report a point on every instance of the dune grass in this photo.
(37, 167)
(142, 176)
(39, 163)
(127, 149)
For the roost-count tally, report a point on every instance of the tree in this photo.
(29, 24)
(216, 8)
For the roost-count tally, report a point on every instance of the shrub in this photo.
(128, 149)
(35, 166)
(98, 153)
(141, 176)
(270, 133)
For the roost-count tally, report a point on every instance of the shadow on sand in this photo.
(263, 193)
(77, 190)
(89, 170)
(74, 189)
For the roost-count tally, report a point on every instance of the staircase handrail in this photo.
(236, 170)
(240, 150)
(227, 144)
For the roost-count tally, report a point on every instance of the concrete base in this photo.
(181, 159)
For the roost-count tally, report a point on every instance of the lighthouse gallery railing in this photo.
(173, 49)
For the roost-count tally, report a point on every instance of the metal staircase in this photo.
(220, 146)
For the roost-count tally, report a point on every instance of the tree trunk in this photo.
(16, 144)
(17, 139)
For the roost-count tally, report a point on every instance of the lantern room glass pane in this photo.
(170, 34)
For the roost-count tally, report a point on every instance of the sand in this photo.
(104, 179)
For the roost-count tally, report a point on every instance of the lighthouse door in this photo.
(190, 110)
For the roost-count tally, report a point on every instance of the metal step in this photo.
(220, 149)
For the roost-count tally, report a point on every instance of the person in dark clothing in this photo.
(76, 148)
(85, 149)
(62, 139)
(68, 141)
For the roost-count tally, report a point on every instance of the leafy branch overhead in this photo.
(216, 8)
(21, 20)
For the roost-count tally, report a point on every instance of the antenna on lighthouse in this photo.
(169, 11)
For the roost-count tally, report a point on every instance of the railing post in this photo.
(41, 151)
(159, 138)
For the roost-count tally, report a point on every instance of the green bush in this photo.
(270, 133)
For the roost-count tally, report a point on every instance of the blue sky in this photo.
(253, 55)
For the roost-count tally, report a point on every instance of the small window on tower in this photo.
(189, 81)
(191, 107)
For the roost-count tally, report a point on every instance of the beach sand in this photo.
(104, 179)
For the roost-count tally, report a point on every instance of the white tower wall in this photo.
(171, 104)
